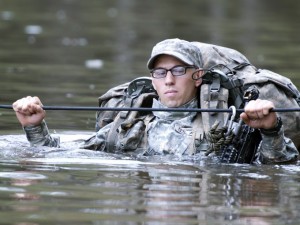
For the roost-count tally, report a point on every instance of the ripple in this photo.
(22, 175)
(255, 176)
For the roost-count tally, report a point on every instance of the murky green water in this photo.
(68, 52)
(106, 190)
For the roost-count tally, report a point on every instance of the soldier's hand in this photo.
(29, 111)
(257, 114)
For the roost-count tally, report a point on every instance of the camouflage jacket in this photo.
(171, 133)
(161, 132)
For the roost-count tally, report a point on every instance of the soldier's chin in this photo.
(172, 104)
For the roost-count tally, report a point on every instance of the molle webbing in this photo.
(220, 100)
(138, 93)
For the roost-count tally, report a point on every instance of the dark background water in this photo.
(45, 45)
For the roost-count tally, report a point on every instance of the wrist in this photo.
(273, 131)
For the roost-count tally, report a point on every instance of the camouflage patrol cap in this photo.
(183, 50)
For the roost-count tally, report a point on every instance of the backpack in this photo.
(229, 74)
(137, 93)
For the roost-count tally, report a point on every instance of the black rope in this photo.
(87, 108)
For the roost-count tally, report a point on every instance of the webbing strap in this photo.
(218, 79)
(112, 134)
(214, 91)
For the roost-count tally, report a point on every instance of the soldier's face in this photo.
(174, 91)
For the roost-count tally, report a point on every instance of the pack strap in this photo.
(214, 92)
(135, 89)
(218, 79)
(198, 135)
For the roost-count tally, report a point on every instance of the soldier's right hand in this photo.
(29, 111)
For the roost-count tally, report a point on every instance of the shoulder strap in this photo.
(217, 78)
(221, 99)
(197, 134)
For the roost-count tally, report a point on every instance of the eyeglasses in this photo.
(175, 71)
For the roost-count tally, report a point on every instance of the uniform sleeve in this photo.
(98, 140)
(40, 136)
(290, 120)
(281, 147)
(276, 149)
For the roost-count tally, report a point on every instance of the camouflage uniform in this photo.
(40, 136)
(183, 133)
(173, 133)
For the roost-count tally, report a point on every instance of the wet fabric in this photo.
(277, 149)
(167, 133)
(40, 136)
(272, 149)
(171, 132)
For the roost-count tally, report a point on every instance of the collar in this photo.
(174, 115)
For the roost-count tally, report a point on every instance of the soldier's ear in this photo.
(198, 82)
(197, 76)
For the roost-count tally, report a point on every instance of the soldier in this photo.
(177, 69)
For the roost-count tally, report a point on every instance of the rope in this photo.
(217, 137)
(87, 108)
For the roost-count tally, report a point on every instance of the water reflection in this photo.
(135, 192)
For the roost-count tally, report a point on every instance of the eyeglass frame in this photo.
(167, 70)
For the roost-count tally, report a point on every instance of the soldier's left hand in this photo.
(257, 114)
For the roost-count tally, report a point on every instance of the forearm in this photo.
(40, 136)
(277, 148)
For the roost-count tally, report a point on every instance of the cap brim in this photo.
(179, 56)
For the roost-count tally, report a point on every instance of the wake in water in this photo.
(16, 147)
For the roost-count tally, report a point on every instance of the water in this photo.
(68, 52)
(108, 190)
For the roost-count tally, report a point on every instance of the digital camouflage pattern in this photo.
(172, 136)
(180, 49)
(174, 132)
(40, 136)
(272, 86)
(162, 133)
(277, 149)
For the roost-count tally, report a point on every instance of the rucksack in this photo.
(137, 93)
(229, 74)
